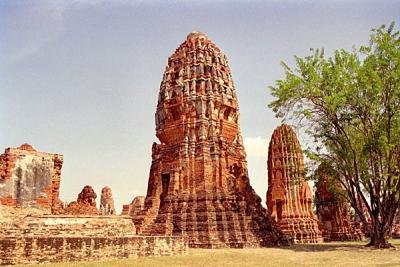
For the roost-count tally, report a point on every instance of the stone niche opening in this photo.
(279, 206)
(175, 112)
(165, 179)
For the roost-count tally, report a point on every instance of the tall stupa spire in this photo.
(198, 182)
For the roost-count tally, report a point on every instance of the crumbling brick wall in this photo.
(57, 238)
(29, 178)
(22, 250)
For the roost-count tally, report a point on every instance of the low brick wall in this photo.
(63, 238)
(23, 250)
(69, 225)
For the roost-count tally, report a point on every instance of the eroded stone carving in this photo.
(107, 202)
(289, 197)
(198, 183)
(85, 204)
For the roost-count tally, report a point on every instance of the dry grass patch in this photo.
(326, 254)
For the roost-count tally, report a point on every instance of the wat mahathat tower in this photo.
(198, 184)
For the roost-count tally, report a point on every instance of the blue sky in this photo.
(81, 78)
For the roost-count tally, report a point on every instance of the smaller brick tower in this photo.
(333, 211)
(289, 198)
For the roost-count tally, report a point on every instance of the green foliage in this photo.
(352, 214)
(350, 104)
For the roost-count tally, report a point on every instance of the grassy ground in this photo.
(326, 254)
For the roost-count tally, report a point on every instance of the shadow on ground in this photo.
(326, 247)
(336, 246)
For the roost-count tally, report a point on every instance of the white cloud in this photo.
(257, 150)
(256, 146)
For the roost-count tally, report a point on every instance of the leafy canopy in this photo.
(350, 104)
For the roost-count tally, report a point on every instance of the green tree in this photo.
(350, 105)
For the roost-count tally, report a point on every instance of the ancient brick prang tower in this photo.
(289, 198)
(333, 210)
(198, 184)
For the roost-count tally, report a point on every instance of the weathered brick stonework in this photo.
(29, 233)
(55, 238)
(68, 225)
(333, 210)
(107, 202)
(198, 183)
(396, 225)
(85, 203)
(29, 178)
(289, 198)
(39, 249)
(136, 206)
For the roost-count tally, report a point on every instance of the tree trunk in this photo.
(379, 242)
(378, 238)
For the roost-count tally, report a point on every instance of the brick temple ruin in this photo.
(289, 197)
(198, 184)
(136, 206)
(43, 238)
(333, 210)
(198, 194)
(396, 225)
(35, 227)
(85, 204)
(29, 178)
